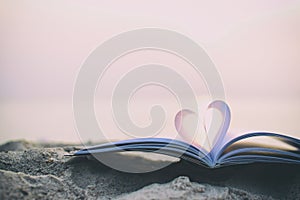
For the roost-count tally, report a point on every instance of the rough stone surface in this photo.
(182, 188)
(30, 171)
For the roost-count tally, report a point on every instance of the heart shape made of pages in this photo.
(210, 137)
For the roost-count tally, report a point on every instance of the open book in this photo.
(248, 148)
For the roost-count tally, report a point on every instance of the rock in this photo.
(30, 171)
(20, 145)
(182, 188)
(21, 186)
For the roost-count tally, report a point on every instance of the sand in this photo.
(42, 171)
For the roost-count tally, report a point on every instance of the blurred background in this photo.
(254, 44)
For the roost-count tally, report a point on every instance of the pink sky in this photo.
(255, 46)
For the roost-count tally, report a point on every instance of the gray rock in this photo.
(182, 188)
(20, 145)
(32, 172)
